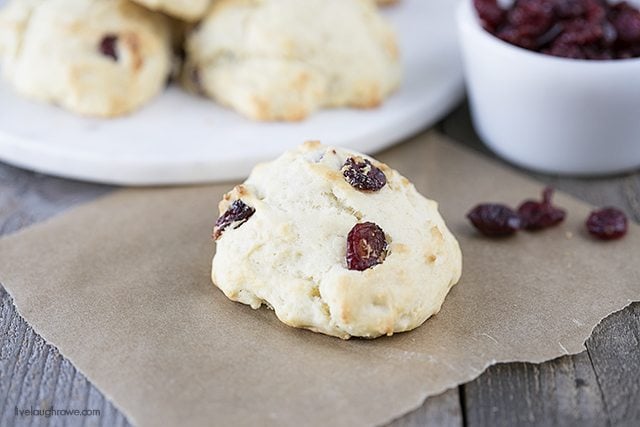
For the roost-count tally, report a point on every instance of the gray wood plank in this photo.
(30, 382)
(62, 393)
(48, 383)
(564, 392)
(613, 348)
(439, 411)
(22, 350)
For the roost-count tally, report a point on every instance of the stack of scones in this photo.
(269, 60)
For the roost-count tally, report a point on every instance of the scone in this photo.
(93, 57)
(335, 242)
(285, 59)
(187, 10)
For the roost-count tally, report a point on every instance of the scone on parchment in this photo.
(335, 242)
(285, 59)
(93, 57)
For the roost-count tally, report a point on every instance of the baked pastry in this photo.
(335, 242)
(284, 59)
(186, 10)
(93, 57)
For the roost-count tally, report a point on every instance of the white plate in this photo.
(181, 139)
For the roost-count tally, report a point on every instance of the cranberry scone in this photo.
(335, 242)
(93, 57)
(284, 59)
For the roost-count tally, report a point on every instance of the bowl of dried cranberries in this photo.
(554, 85)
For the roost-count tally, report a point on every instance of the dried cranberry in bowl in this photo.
(578, 29)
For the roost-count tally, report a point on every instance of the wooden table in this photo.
(598, 387)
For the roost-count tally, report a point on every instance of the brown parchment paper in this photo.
(121, 286)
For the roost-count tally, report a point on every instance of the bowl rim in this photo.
(468, 18)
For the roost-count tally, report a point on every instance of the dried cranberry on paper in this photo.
(607, 224)
(238, 213)
(537, 215)
(366, 246)
(493, 219)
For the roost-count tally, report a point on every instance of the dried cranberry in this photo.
(537, 215)
(237, 214)
(490, 13)
(569, 8)
(595, 10)
(494, 219)
(626, 21)
(550, 35)
(513, 36)
(366, 246)
(364, 176)
(607, 224)
(108, 46)
(532, 18)
(580, 33)
(579, 29)
(565, 50)
(594, 52)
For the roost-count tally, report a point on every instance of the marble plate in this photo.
(180, 139)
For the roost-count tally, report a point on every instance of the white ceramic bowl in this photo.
(554, 115)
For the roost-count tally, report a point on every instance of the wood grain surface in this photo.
(599, 387)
